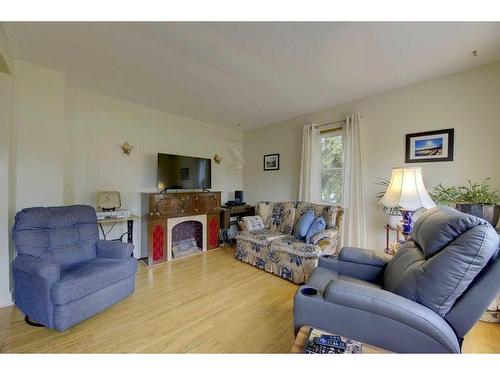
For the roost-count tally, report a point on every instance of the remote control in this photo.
(313, 348)
(330, 341)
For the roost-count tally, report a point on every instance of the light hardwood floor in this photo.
(208, 303)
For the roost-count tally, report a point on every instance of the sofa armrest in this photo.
(366, 272)
(327, 234)
(364, 256)
(114, 249)
(393, 308)
(339, 219)
(243, 227)
(50, 272)
(34, 279)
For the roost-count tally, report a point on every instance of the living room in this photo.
(174, 187)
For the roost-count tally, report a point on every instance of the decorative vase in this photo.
(393, 220)
(490, 213)
(407, 221)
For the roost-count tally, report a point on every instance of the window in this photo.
(332, 163)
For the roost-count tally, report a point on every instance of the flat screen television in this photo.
(183, 172)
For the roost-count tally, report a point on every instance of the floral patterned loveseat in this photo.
(276, 250)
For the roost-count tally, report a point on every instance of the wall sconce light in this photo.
(127, 148)
(217, 158)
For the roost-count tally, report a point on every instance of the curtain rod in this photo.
(333, 123)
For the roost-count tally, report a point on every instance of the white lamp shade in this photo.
(406, 190)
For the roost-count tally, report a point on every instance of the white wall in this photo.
(98, 125)
(469, 102)
(6, 62)
(39, 136)
(5, 129)
(65, 147)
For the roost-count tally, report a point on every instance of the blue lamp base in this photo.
(407, 221)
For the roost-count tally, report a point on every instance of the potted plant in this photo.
(473, 198)
(393, 216)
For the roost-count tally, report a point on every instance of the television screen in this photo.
(183, 172)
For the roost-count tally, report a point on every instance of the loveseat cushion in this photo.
(88, 277)
(264, 210)
(282, 217)
(437, 266)
(277, 216)
(259, 236)
(289, 244)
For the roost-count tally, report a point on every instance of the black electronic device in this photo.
(238, 196)
(183, 172)
(234, 203)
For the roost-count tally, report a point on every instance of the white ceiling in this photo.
(250, 73)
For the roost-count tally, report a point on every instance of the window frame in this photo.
(330, 133)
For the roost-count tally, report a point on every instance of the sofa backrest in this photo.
(329, 213)
(277, 216)
(283, 216)
(61, 235)
(445, 253)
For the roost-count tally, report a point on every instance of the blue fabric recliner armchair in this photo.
(423, 300)
(63, 272)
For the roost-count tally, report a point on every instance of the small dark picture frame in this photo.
(430, 146)
(184, 173)
(271, 162)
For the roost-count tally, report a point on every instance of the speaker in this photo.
(238, 196)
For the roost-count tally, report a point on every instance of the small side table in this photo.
(303, 336)
(388, 230)
(228, 212)
(114, 220)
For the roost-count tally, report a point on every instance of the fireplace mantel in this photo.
(157, 209)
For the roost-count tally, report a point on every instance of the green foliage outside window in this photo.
(331, 168)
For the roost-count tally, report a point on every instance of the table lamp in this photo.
(407, 192)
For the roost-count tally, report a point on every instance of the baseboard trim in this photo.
(6, 300)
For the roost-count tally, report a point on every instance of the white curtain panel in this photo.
(310, 180)
(353, 195)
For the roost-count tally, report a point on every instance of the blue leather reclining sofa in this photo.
(423, 300)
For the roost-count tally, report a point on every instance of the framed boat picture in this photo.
(430, 146)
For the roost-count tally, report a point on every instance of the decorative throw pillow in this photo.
(253, 222)
(317, 226)
(303, 225)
